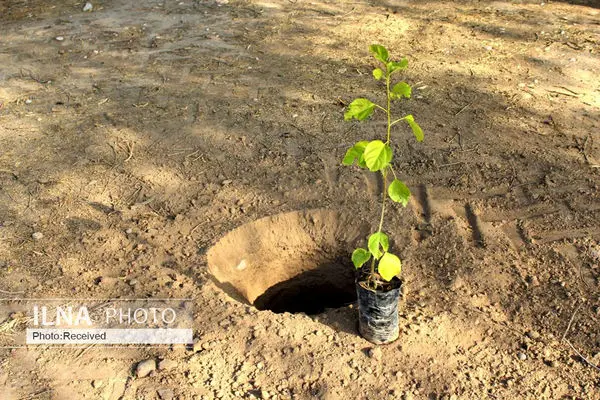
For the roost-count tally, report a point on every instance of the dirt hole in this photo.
(328, 285)
(293, 262)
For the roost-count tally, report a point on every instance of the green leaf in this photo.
(377, 155)
(361, 161)
(360, 256)
(377, 73)
(400, 90)
(379, 52)
(394, 66)
(378, 241)
(389, 266)
(399, 192)
(360, 109)
(417, 131)
(355, 153)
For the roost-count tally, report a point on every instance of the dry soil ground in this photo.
(136, 135)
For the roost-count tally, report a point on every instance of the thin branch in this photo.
(7, 292)
(563, 93)
(591, 364)
(462, 109)
(570, 322)
(130, 148)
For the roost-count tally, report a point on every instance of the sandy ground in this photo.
(135, 136)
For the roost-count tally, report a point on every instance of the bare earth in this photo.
(154, 128)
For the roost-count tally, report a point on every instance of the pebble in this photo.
(533, 335)
(60, 38)
(144, 368)
(198, 345)
(165, 394)
(166, 364)
(132, 282)
(88, 7)
(129, 231)
(37, 236)
(375, 353)
(522, 356)
(532, 280)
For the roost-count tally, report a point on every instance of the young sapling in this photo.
(376, 156)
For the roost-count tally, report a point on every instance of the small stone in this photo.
(226, 182)
(88, 7)
(60, 38)
(375, 353)
(488, 48)
(132, 282)
(198, 345)
(165, 394)
(144, 368)
(166, 364)
(522, 356)
(533, 335)
(129, 231)
(97, 383)
(37, 236)
(28, 101)
(532, 280)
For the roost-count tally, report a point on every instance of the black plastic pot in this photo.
(378, 312)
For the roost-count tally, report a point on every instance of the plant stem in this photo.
(388, 112)
(383, 171)
(396, 121)
(381, 108)
(383, 197)
(389, 127)
(393, 172)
